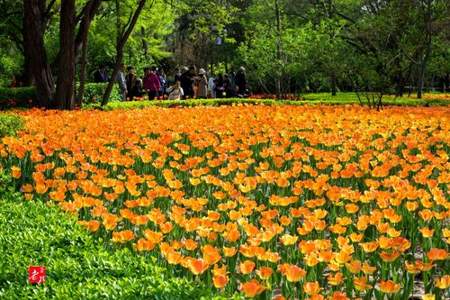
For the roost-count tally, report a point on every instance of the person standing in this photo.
(211, 87)
(227, 86)
(163, 84)
(131, 83)
(101, 75)
(218, 86)
(178, 75)
(187, 82)
(241, 82)
(176, 91)
(152, 83)
(231, 92)
(120, 78)
(202, 92)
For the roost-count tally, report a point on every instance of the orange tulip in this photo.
(16, 172)
(294, 273)
(229, 252)
(251, 288)
(311, 288)
(220, 281)
(264, 272)
(246, 267)
(122, 236)
(338, 296)
(361, 284)
(437, 254)
(388, 287)
(144, 245)
(197, 266)
(442, 282)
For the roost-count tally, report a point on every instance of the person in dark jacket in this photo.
(241, 82)
(227, 88)
(187, 82)
(101, 75)
(131, 80)
(218, 86)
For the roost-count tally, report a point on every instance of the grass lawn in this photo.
(430, 99)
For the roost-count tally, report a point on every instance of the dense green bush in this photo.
(24, 96)
(94, 92)
(9, 124)
(16, 97)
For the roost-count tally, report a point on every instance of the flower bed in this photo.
(307, 202)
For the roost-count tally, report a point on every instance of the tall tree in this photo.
(123, 35)
(66, 65)
(36, 16)
(82, 39)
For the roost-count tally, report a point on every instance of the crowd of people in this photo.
(188, 83)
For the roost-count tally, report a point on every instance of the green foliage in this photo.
(78, 265)
(146, 45)
(23, 97)
(13, 97)
(10, 125)
(94, 91)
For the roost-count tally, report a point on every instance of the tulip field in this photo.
(271, 202)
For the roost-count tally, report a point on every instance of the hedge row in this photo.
(238, 101)
(24, 96)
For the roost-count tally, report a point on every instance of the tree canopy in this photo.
(287, 46)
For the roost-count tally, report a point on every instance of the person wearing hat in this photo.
(202, 91)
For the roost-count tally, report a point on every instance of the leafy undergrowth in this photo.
(10, 124)
(78, 266)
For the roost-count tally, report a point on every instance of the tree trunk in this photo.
(27, 75)
(428, 40)
(446, 82)
(91, 9)
(121, 42)
(333, 84)
(278, 47)
(80, 96)
(66, 65)
(422, 72)
(35, 54)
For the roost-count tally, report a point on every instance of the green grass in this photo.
(78, 265)
(352, 98)
(308, 99)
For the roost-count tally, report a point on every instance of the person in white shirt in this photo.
(212, 87)
(175, 92)
(120, 78)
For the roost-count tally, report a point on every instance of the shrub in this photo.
(9, 124)
(94, 92)
(16, 97)
(24, 96)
